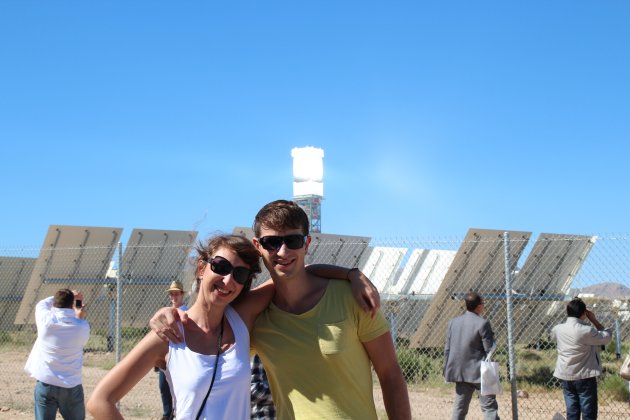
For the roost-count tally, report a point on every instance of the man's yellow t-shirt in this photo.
(315, 361)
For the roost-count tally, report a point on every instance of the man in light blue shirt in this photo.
(57, 356)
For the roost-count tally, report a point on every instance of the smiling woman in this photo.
(213, 332)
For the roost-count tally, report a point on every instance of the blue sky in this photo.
(434, 117)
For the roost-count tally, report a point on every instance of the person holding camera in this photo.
(579, 363)
(56, 359)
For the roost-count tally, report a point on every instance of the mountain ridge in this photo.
(609, 290)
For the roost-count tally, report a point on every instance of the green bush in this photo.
(402, 342)
(611, 348)
(418, 365)
(529, 356)
(540, 375)
(18, 340)
(614, 387)
(134, 333)
(409, 361)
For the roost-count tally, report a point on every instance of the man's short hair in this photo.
(281, 215)
(472, 300)
(64, 298)
(576, 308)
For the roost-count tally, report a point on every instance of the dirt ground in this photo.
(143, 402)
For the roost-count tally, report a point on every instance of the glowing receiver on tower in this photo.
(308, 171)
(308, 185)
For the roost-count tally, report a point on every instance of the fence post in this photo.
(617, 339)
(508, 301)
(119, 281)
(111, 325)
(394, 329)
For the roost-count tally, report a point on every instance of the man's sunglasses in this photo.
(223, 267)
(274, 243)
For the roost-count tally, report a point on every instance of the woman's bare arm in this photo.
(149, 352)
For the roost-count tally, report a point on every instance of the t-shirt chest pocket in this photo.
(333, 338)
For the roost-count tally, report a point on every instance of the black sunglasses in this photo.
(223, 267)
(274, 243)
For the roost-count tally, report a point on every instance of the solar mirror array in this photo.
(74, 257)
(82, 258)
(421, 288)
(14, 275)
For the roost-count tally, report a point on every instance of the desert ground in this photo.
(16, 398)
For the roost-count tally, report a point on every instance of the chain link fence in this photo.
(525, 281)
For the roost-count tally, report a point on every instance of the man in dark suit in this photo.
(468, 340)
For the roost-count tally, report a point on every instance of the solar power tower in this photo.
(74, 257)
(14, 274)
(324, 249)
(308, 183)
(478, 266)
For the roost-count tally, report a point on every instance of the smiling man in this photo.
(315, 341)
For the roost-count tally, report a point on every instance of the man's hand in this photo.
(364, 292)
(164, 324)
(591, 317)
(80, 312)
(77, 295)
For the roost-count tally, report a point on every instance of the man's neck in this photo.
(299, 293)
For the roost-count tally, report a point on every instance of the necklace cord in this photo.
(214, 373)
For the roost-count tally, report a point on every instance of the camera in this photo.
(78, 304)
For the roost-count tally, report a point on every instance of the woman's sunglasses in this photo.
(274, 243)
(223, 267)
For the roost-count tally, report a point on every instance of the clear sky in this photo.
(434, 117)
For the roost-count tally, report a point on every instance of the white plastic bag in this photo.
(624, 372)
(490, 377)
